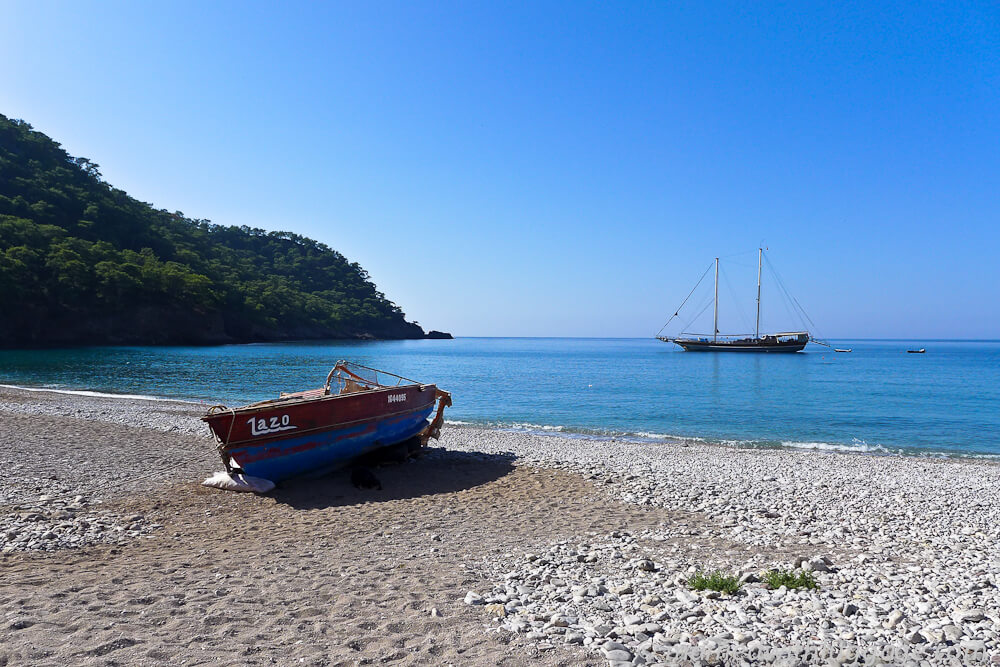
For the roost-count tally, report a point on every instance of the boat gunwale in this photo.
(282, 403)
(740, 335)
(315, 429)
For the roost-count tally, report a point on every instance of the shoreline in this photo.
(496, 547)
(747, 445)
(99, 394)
(570, 433)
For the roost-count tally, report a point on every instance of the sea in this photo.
(876, 399)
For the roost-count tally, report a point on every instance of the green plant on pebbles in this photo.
(715, 581)
(790, 579)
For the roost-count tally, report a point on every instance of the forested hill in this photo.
(81, 262)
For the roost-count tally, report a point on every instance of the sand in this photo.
(111, 551)
(317, 573)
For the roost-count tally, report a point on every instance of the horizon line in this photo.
(941, 340)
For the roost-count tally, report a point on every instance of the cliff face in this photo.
(83, 263)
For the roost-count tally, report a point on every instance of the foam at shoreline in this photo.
(856, 446)
(98, 394)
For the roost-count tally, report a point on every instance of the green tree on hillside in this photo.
(82, 262)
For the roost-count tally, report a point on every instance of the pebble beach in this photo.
(494, 548)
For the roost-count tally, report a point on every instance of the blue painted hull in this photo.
(327, 450)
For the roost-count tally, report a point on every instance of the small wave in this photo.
(964, 455)
(855, 446)
(535, 427)
(94, 394)
(645, 435)
(587, 433)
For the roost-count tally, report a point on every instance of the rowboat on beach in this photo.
(357, 411)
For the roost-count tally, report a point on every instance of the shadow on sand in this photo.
(438, 471)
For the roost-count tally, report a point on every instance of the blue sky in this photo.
(564, 169)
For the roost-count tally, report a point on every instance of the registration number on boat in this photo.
(397, 398)
(264, 425)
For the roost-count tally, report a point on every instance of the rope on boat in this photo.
(433, 429)
(344, 367)
(796, 306)
(700, 312)
(677, 312)
(744, 320)
(222, 444)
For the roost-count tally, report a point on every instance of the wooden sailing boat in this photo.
(793, 341)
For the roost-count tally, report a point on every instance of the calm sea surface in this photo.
(875, 399)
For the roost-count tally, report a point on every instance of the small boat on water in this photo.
(842, 349)
(358, 410)
(920, 351)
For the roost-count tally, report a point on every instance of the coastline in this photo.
(858, 449)
(605, 435)
(551, 534)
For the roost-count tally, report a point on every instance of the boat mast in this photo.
(760, 255)
(715, 327)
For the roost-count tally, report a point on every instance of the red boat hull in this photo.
(285, 438)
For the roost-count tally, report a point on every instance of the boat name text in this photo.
(397, 398)
(262, 426)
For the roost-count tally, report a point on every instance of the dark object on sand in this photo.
(319, 430)
(920, 351)
(393, 454)
(363, 478)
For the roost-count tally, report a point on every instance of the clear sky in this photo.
(558, 169)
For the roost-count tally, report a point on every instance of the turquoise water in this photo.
(877, 398)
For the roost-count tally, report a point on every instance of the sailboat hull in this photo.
(786, 342)
(698, 346)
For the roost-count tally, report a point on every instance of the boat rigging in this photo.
(788, 341)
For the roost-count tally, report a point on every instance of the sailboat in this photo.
(789, 341)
